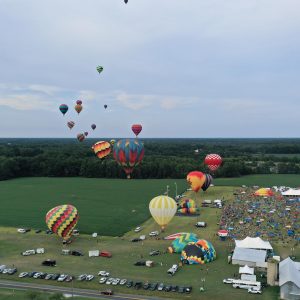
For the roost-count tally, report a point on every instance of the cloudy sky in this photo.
(192, 68)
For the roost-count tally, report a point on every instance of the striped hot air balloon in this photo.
(162, 209)
(80, 137)
(207, 182)
(213, 161)
(99, 69)
(71, 124)
(78, 108)
(62, 220)
(128, 153)
(63, 108)
(102, 149)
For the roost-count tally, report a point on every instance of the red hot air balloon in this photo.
(80, 137)
(79, 102)
(213, 161)
(136, 128)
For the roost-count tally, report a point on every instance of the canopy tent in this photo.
(291, 193)
(264, 192)
(289, 271)
(246, 270)
(253, 243)
(249, 257)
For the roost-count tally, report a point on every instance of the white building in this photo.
(249, 257)
(289, 279)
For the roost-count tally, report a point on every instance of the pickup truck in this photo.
(173, 270)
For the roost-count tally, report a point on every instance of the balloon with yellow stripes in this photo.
(62, 220)
(162, 209)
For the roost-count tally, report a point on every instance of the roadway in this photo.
(16, 285)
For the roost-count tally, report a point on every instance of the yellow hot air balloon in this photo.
(162, 209)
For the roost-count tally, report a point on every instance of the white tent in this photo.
(291, 193)
(250, 257)
(253, 243)
(246, 270)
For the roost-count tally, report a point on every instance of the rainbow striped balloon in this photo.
(62, 220)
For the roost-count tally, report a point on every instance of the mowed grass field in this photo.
(107, 206)
(126, 253)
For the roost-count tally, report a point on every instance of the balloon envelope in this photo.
(78, 108)
(71, 124)
(162, 209)
(213, 161)
(63, 108)
(99, 69)
(136, 128)
(128, 153)
(80, 137)
(62, 220)
(196, 179)
(86, 133)
(208, 181)
(105, 106)
(79, 102)
(93, 126)
(179, 243)
(102, 149)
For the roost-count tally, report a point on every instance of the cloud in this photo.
(138, 102)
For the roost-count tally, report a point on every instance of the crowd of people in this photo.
(273, 218)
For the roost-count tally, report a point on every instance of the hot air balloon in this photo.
(128, 153)
(200, 252)
(179, 243)
(196, 179)
(264, 192)
(71, 124)
(62, 220)
(136, 128)
(80, 137)
(162, 209)
(187, 207)
(79, 102)
(93, 126)
(213, 161)
(86, 133)
(78, 108)
(112, 142)
(63, 108)
(208, 181)
(126, 1)
(102, 149)
(105, 106)
(99, 69)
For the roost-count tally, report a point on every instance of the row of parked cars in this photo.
(9, 271)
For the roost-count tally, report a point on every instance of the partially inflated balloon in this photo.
(102, 149)
(78, 108)
(62, 220)
(93, 126)
(71, 124)
(213, 161)
(79, 102)
(80, 137)
(196, 179)
(63, 108)
(136, 128)
(128, 153)
(162, 209)
(208, 181)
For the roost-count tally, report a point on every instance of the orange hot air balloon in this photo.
(196, 180)
(78, 108)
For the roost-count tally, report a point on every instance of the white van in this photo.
(243, 284)
(40, 250)
(28, 252)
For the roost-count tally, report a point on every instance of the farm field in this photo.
(126, 253)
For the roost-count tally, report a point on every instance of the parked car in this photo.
(102, 279)
(154, 233)
(103, 273)
(2, 267)
(105, 254)
(28, 252)
(81, 277)
(174, 288)
(153, 286)
(138, 285)
(254, 291)
(228, 280)
(123, 281)
(49, 263)
(181, 289)
(129, 283)
(136, 240)
(173, 270)
(69, 278)
(23, 274)
(49, 276)
(55, 276)
(76, 253)
(37, 275)
(43, 275)
(201, 224)
(31, 274)
(160, 287)
(154, 252)
(107, 292)
(146, 285)
(89, 277)
(188, 289)
(138, 229)
(168, 288)
(12, 271)
(109, 280)
(140, 263)
(62, 277)
(38, 231)
(21, 230)
(116, 281)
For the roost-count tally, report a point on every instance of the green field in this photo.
(25, 201)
